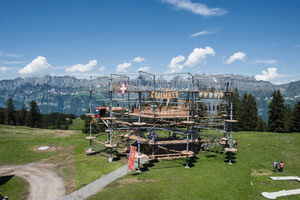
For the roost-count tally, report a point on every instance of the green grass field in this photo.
(19, 146)
(210, 177)
(14, 187)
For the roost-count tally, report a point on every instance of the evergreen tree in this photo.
(276, 121)
(236, 110)
(2, 115)
(10, 113)
(295, 126)
(288, 119)
(34, 116)
(86, 126)
(261, 125)
(248, 113)
(22, 115)
(58, 124)
(66, 127)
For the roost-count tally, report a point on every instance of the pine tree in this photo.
(86, 126)
(288, 119)
(58, 124)
(236, 110)
(261, 125)
(34, 116)
(276, 121)
(22, 115)
(295, 126)
(2, 115)
(248, 113)
(10, 113)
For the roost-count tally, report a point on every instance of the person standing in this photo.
(281, 166)
(275, 165)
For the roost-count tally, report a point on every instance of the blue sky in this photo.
(259, 38)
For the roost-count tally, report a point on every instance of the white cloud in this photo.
(269, 75)
(102, 68)
(144, 69)
(267, 62)
(196, 8)
(297, 45)
(10, 55)
(175, 66)
(122, 67)
(236, 56)
(198, 56)
(138, 59)
(82, 68)
(3, 69)
(202, 33)
(39, 66)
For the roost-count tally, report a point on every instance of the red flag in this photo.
(132, 157)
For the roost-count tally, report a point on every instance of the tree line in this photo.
(282, 118)
(33, 117)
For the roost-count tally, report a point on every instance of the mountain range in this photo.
(67, 94)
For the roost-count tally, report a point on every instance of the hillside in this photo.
(68, 94)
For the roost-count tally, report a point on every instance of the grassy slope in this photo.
(210, 177)
(18, 146)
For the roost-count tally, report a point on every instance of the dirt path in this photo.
(45, 183)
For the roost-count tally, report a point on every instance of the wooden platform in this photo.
(110, 145)
(108, 118)
(90, 138)
(163, 114)
(230, 150)
(89, 152)
(121, 122)
(187, 153)
(136, 138)
(139, 123)
(139, 156)
(231, 121)
(188, 122)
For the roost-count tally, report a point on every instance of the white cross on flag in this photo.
(123, 88)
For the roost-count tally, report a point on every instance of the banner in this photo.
(132, 157)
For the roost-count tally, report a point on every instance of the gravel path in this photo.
(100, 183)
(44, 181)
(46, 184)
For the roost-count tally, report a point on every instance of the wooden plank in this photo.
(120, 122)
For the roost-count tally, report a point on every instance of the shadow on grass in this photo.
(5, 179)
(191, 162)
(233, 157)
(210, 156)
(148, 165)
(119, 157)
